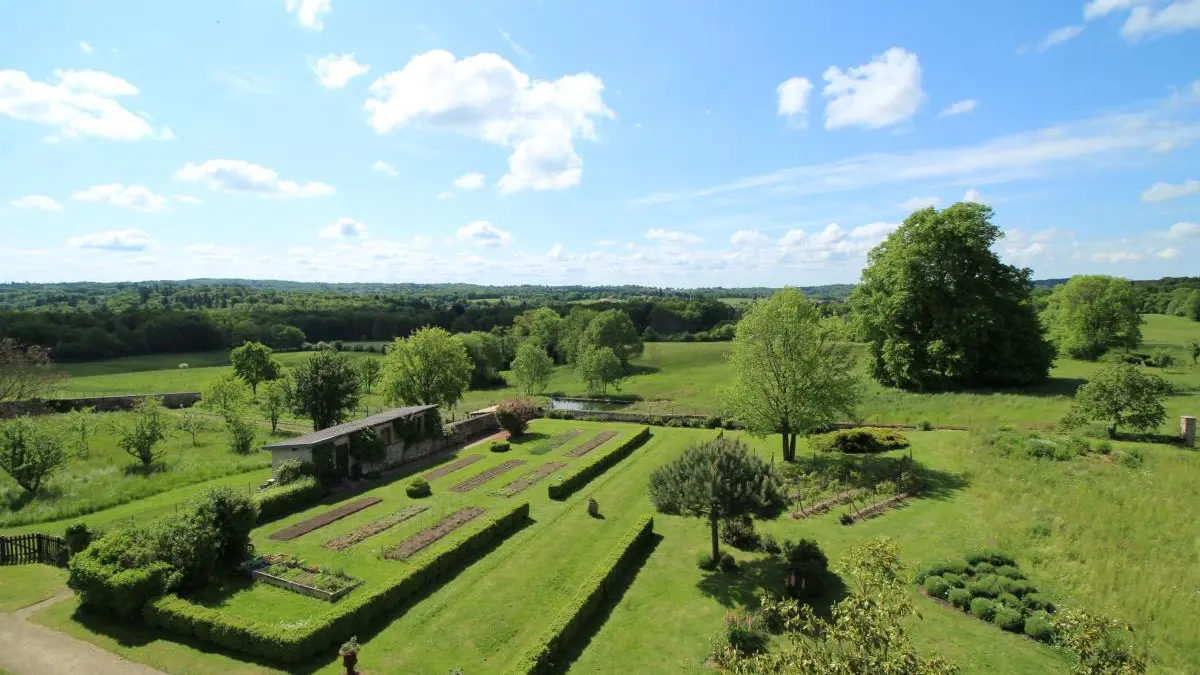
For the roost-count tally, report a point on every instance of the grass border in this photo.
(574, 481)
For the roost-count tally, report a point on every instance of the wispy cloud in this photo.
(513, 44)
(959, 108)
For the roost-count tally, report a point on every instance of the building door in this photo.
(341, 459)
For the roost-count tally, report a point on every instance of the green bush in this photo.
(706, 562)
(1103, 447)
(960, 598)
(728, 563)
(984, 567)
(118, 573)
(352, 615)
(543, 655)
(986, 586)
(1132, 458)
(582, 475)
(292, 470)
(279, 501)
(418, 488)
(500, 446)
(983, 608)
(936, 587)
(807, 568)
(1010, 571)
(925, 425)
(1038, 602)
(1010, 600)
(514, 414)
(957, 580)
(951, 566)
(991, 557)
(1008, 619)
(859, 441)
(78, 537)
(769, 544)
(1038, 627)
(739, 533)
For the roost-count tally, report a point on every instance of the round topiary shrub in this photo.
(1037, 601)
(960, 598)
(984, 567)
(418, 488)
(987, 586)
(1010, 600)
(936, 587)
(500, 446)
(1010, 571)
(952, 566)
(728, 564)
(956, 580)
(1008, 619)
(994, 557)
(1038, 627)
(1017, 587)
(770, 544)
(983, 608)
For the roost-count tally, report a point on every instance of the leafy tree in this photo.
(325, 387)
(1090, 315)
(598, 369)
(140, 436)
(369, 369)
(287, 337)
(487, 355)
(275, 400)
(940, 311)
(542, 325)
(192, 423)
(26, 372)
(430, 367)
(240, 431)
(82, 425)
(253, 363)
(717, 479)
(1097, 643)
(612, 329)
(788, 373)
(30, 453)
(225, 396)
(570, 338)
(1120, 395)
(1195, 347)
(532, 368)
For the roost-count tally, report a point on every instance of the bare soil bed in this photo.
(414, 544)
(557, 442)
(590, 445)
(453, 466)
(373, 528)
(530, 478)
(481, 478)
(317, 522)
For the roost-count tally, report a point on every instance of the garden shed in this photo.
(385, 439)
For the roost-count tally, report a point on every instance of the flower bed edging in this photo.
(481, 478)
(583, 475)
(304, 589)
(591, 444)
(452, 466)
(321, 520)
(430, 535)
(373, 528)
(524, 482)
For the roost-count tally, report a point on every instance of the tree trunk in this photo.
(792, 446)
(1112, 431)
(716, 548)
(789, 445)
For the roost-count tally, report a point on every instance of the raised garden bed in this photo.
(419, 541)
(989, 586)
(879, 506)
(590, 445)
(481, 478)
(374, 528)
(557, 442)
(317, 522)
(453, 466)
(530, 478)
(291, 574)
(825, 505)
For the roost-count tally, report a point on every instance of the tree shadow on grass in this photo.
(527, 440)
(18, 499)
(144, 470)
(1054, 386)
(743, 587)
(839, 472)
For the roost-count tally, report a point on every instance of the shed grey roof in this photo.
(326, 435)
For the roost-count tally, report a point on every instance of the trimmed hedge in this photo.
(572, 482)
(859, 441)
(541, 655)
(353, 615)
(276, 502)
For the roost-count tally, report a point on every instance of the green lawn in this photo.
(26, 585)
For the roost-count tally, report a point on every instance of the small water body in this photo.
(585, 404)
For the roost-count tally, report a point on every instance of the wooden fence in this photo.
(27, 549)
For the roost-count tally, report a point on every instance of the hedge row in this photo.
(352, 615)
(284, 500)
(584, 474)
(859, 441)
(541, 655)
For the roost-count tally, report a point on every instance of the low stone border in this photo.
(421, 540)
(481, 478)
(305, 526)
(453, 466)
(303, 589)
(371, 529)
(600, 439)
(529, 479)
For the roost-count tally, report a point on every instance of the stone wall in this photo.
(184, 399)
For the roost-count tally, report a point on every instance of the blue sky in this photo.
(668, 142)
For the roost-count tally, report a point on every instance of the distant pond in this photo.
(586, 404)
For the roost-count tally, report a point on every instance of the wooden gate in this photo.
(27, 549)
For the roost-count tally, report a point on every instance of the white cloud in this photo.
(604, 243)
(1168, 253)
(40, 202)
(974, 195)
(883, 92)
(114, 240)
(445, 195)
(1100, 8)
(673, 237)
(749, 239)
(233, 175)
(918, 203)
(470, 181)
(1165, 146)
(875, 231)
(309, 12)
(793, 238)
(136, 197)
(793, 100)
(336, 70)
(248, 84)
(1145, 21)
(343, 228)
(959, 108)
(385, 168)
(486, 97)
(1114, 257)
(1160, 191)
(1057, 37)
(85, 48)
(1034, 250)
(1184, 230)
(557, 252)
(81, 103)
(188, 199)
(483, 233)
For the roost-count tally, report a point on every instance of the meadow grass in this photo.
(26, 585)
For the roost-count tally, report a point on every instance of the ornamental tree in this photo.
(1120, 395)
(140, 436)
(30, 453)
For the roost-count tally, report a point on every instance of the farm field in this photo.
(1077, 528)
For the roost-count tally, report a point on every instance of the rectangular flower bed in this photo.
(600, 439)
(557, 442)
(825, 505)
(453, 466)
(373, 528)
(481, 478)
(414, 544)
(530, 478)
(880, 506)
(317, 522)
(286, 572)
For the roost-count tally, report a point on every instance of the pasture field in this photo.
(1091, 533)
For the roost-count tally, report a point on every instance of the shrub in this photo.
(418, 488)
(1038, 602)
(78, 538)
(712, 422)
(728, 564)
(957, 580)
(1132, 458)
(292, 470)
(500, 446)
(774, 612)
(936, 587)
(706, 562)
(1008, 619)
(992, 557)
(960, 598)
(1038, 627)
(1010, 600)
(1103, 447)
(739, 533)
(807, 568)
(514, 415)
(984, 567)
(986, 586)
(582, 475)
(846, 519)
(1010, 571)
(1161, 358)
(769, 544)
(983, 608)
(925, 425)
(859, 441)
(950, 566)
(280, 501)
(741, 636)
